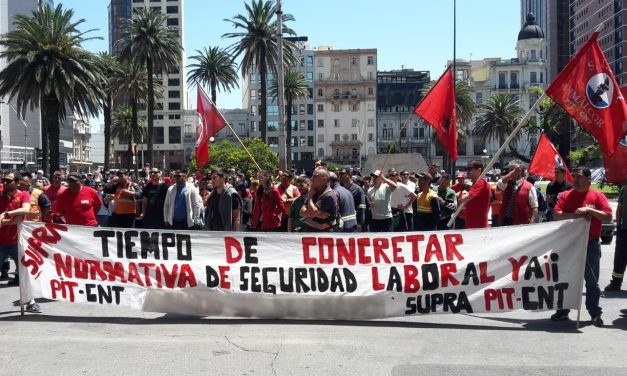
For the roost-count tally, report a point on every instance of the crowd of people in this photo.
(337, 200)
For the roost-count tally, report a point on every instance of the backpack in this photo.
(542, 205)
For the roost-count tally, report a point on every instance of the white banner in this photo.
(312, 276)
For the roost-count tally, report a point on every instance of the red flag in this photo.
(588, 91)
(546, 159)
(438, 109)
(616, 165)
(210, 123)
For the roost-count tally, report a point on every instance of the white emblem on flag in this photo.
(600, 90)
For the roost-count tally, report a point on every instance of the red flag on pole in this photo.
(438, 109)
(616, 165)
(588, 91)
(546, 159)
(210, 123)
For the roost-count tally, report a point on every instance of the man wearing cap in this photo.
(182, 206)
(435, 174)
(427, 205)
(14, 205)
(79, 203)
(379, 196)
(519, 197)
(448, 201)
(585, 202)
(359, 199)
(40, 177)
(554, 188)
(460, 181)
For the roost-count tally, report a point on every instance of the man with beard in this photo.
(224, 205)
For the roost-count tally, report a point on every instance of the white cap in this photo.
(40, 172)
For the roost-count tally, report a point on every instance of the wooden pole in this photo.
(496, 156)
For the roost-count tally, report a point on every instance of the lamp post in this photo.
(19, 116)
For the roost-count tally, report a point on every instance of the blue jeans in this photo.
(11, 251)
(591, 277)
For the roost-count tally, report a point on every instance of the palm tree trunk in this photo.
(51, 121)
(213, 92)
(45, 144)
(288, 133)
(106, 109)
(263, 71)
(135, 134)
(150, 110)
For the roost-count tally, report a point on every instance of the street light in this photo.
(19, 116)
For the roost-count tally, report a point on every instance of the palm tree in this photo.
(110, 66)
(125, 125)
(215, 68)
(295, 87)
(48, 68)
(498, 118)
(131, 84)
(147, 40)
(258, 45)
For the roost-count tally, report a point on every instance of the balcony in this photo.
(350, 143)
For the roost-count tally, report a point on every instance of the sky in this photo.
(414, 34)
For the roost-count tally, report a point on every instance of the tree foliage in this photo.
(215, 68)
(229, 155)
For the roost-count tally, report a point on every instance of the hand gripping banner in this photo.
(307, 276)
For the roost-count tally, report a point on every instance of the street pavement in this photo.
(82, 339)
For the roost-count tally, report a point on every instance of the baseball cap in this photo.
(74, 176)
(424, 175)
(460, 175)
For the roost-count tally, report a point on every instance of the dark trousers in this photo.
(121, 220)
(405, 220)
(591, 278)
(620, 256)
(179, 225)
(381, 225)
(442, 223)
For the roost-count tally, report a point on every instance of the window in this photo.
(310, 109)
(336, 61)
(355, 107)
(270, 77)
(302, 61)
(371, 122)
(354, 137)
(370, 136)
(321, 152)
(302, 125)
(336, 76)
(337, 108)
(479, 98)
(320, 123)
(320, 76)
(309, 76)
(174, 135)
(273, 125)
(172, 22)
(336, 137)
(174, 82)
(336, 123)
(533, 55)
(310, 141)
(370, 107)
(172, 9)
(273, 141)
(294, 125)
(370, 60)
(370, 91)
(159, 106)
(156, 9)
(320, 92)
(273, 110)
(159, 117)
(336, 93)
(158, 137)
(174, 117)
(303, 141)
(253, 126)
(310, 91)
(513, 80)
(310, 61)
(174, 94)
(354, 93)
(541, 77)
(533, 77)
(174, 106)
(371, 75)
(253, 110)
(293, 141)
(253, 94)
(320, 138)
(353, 61)
(502, 80)
(301, 108)
(354, 122)
(320, 108)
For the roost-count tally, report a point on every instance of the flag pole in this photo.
(454, 67)
(231, 128)
(501, 150)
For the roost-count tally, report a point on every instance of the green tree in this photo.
(148, 41)
(123, 128)
(228, 155)
(295, 87)
(110, 67)
(214, 68)
(258, 45)
(498, 118)
(48, 68)
(393, 149)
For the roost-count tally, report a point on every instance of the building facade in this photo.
(539, 8)
(398, 93)
(516, 77)
(14, 136)
(173, 117)
(303, 114)
(345, 99)
(80, 158)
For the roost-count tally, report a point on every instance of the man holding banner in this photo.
(585, 202)
(477, 200)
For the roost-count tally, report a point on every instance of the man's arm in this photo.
(15, 214)
(534, 215)
(235, 219)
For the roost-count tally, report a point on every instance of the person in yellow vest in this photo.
(39, 202)
(427, 205)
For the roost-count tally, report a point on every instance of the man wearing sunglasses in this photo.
(14, 206)
(477, 199)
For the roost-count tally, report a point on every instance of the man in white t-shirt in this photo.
(402, 199)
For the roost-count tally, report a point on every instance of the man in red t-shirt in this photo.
(14, 205)
(584, 202)
(477, 199)
(79, 204)
(54, 189)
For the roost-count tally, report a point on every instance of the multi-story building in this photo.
(172, 119)
(303, 115)
(16, 140)
(119, 13)
(539, 8)
(516, 76)
(239, 120)
(80, 158)
(398, 93)
(345, 99)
